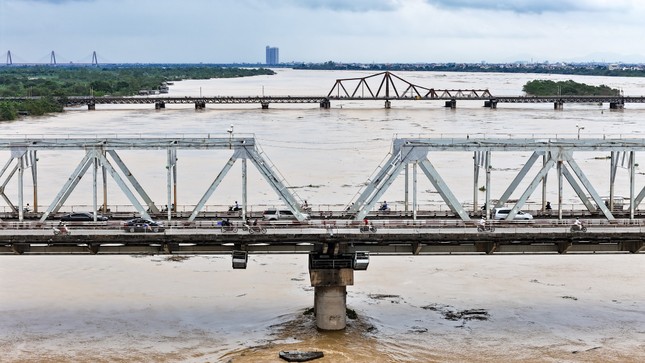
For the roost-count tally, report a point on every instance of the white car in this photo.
(502, 213)
(276, 214)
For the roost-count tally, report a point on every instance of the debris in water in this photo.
(298, 356)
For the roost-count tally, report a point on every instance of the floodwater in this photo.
(410, 309)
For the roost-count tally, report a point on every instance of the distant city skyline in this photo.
(358, 31)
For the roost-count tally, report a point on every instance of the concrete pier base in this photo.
(330, 296)
(452, 104)
(330, 305)
(91, 106)
(559, 105)
(388, 104)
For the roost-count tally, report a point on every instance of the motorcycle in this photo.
(481, 228)
(578, 228)
(61, 231)
(255, 229)
(367, 229)
(231, 229)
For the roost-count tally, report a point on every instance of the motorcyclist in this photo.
(383, 206)
(482, 222)
(226, 222)
(577, 224)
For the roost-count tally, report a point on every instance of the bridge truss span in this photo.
(102, 153)
(556, 153)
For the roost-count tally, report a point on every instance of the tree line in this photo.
(50, 83)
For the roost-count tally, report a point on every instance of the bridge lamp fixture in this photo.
(579, 128)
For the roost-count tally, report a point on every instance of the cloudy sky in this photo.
(381, 31)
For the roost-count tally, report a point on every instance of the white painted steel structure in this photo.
(101, 152)
(555, 152)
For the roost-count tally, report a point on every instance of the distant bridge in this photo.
(383, 86)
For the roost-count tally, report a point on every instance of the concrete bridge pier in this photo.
(91, 106)
(330, 296)
(200, 105)
(491, 104)
(558, 105)
(388, 104)
(160, 105)
(616, 105)
(326, 104)
(452, 103)
(265, 105)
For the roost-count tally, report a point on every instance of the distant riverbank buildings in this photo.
(272, 55)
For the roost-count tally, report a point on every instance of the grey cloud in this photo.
(526, 6)
(349, 6)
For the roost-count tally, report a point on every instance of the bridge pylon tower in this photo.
(9, 60)
(52, 58)
(95, 61)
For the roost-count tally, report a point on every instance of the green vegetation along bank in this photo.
(49, 82)
(566, 88)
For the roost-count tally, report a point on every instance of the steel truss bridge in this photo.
(102, 153)
(383, 86)
(330, 243)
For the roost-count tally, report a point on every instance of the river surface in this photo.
(410, 309)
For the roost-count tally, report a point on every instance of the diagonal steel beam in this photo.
(121, 183)
(443, 189)
(70, 184)
(214, 184)
(587, 184)
(518, 178)
(135, 183)
(530, 189)
(576, 187)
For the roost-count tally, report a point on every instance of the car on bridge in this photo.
(143, 225)
(502, 213)
(82, 217)
(279, 214)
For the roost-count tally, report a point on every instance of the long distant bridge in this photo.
(383, 86)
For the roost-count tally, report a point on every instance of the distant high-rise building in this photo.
(273, 55)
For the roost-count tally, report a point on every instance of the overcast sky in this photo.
(380, 31)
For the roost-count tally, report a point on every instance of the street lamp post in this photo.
(579, 128)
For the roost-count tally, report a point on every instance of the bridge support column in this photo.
(91, 106)
(491, 104)
(200, 105)
(265, 105)
(616, 105)
(326, 104)
(388, 104)
(558, 105)
(160, 105)
(330, 296)
(452, 103)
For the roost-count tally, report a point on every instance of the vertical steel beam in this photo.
(488, 167)
(169, 183)
(21, 171)
(612, 179)
(559, 189)
(414, 191)
(544, 160)
(95, 168)
(475, 180)
(174, 179)
(244, 189)
(632, 180)
(105, 189)
(405, 197)
(34, 177)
